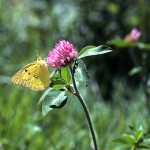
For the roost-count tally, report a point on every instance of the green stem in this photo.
(85, 110)
(133, 148)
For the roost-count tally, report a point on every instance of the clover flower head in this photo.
(134, 35)
(61, 55)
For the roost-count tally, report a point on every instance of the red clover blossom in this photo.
(134, 35)
(61, 55)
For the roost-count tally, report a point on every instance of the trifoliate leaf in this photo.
(58, 84)
(65, 74)
(91, 50)
(129, 139)
(85, 49)
(53, 99)
(81, 73)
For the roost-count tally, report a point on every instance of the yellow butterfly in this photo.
(34, 75)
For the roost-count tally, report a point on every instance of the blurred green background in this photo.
(115, 99)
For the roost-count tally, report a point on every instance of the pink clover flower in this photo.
(61, 55)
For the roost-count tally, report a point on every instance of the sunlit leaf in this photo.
(135, 70)
(139, 134)
(85, 49)
(128, 139)
(81, 73)
(102, 49)
(65, 74)
(52, 99)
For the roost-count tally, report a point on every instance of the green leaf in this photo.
(122, 43)
(147, 136)
(65, 73)
(144, 46)
(44, 94)
(129, 139)
(146, 141)
(81, 73)
(58, 84)
(139, 134)
(85, 49)
(52, 99)
(120, 140)
(143, 146)
(55, 75)
(90, 51)
(135, 70)
(148, 83)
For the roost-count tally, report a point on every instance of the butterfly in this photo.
(35, 75)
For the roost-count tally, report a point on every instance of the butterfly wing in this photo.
(34, 75)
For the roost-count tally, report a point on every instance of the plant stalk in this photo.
(85, 110)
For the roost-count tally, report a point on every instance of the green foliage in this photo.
(58, 79)
(135, 70)
(52, 99)
(123, 43)
(85, 49)
(65, 73)
(26, 25)
(22, 124)
(58, 84)
(90, 51)
(136, 140)
(81, 73)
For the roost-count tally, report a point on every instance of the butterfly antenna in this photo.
(37, 54)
